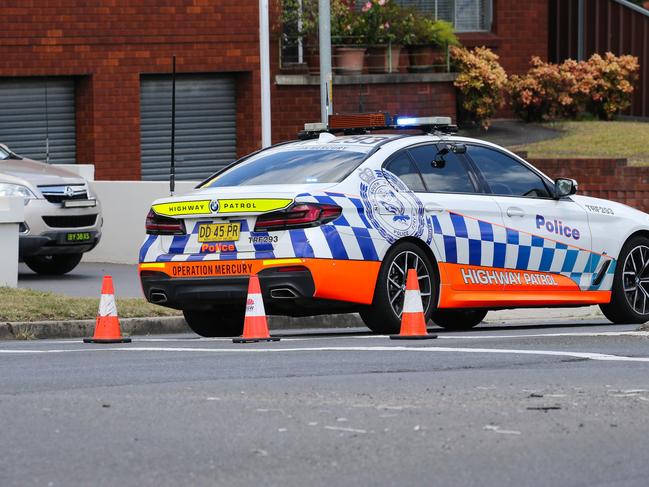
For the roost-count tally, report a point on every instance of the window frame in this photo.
(549, 184)
(487, 17)
(476, 181)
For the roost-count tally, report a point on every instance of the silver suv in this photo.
(62, 216)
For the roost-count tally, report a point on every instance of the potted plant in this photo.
(428, 44)
(348, 34)
(383, 19)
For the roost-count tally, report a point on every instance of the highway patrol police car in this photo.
(332, 223)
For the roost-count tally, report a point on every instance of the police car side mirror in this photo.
(564, 187)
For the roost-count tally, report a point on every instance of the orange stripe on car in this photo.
(344, 280)
(476, 286)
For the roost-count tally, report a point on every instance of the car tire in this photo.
(458, 319)
(384, 316)
(215, 323)
(630, 305)
(53, 265)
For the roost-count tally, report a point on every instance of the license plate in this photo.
(79, 203)
(219, 232)
(78, 237)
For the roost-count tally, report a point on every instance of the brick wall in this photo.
(520, 31)
(292, 106)
(610, 179)
(107, 44)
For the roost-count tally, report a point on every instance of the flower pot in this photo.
(349, 60)
(383, 59)
(424, 59)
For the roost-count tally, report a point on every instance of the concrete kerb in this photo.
(176, 324)
(157, 326)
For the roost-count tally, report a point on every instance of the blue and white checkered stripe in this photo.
(469, 241)
(349, 237)
(459, 239)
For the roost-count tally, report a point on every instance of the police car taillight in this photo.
(298, 215)
(162, 225)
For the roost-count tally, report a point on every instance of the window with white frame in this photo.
(465, 15)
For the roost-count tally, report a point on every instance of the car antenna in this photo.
(172, 168)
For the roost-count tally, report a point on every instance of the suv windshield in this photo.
(306, 166)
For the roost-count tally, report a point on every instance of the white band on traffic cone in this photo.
(255, 305)
(107, 305)
(412, 302)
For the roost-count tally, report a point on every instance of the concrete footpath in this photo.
(169, 325)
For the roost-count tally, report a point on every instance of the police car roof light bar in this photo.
(354, 124)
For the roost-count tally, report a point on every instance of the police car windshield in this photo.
(306, 166)
(3, 154)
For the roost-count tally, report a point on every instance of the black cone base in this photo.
(254, 340)
(412, 337)
(107, 340)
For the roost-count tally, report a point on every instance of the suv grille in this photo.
(68, 221)
(58, 194)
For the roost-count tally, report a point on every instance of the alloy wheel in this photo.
(635, 279)
(396, 282)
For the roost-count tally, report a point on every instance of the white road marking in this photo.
(371, 337)
(541, 335)
(554, 353)
(496, 429)
(348, 430)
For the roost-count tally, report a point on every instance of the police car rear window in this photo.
(291, 167)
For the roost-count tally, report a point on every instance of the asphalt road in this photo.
(85, 280)
(528, 405)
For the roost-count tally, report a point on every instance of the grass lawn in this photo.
(30, 305)
(629, 140)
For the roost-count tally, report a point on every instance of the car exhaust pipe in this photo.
(158, 297)
(283, 293)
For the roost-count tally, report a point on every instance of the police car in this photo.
(332, 222)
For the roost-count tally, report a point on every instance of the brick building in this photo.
(92, 79)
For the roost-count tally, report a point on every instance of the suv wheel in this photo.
(215, 322)
(54, 265)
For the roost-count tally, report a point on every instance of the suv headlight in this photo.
(18, 190)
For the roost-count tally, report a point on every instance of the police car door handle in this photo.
(513, 211)
(433, 208)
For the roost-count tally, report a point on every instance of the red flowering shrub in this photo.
(612, 87)
(549, 91)
(481, 80)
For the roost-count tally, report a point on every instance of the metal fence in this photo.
(617, 26)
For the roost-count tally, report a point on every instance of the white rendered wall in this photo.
(125, 205)
(86, 171)
(12, 211)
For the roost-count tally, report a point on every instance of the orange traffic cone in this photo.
(255, 325)
(413, 321)
(107, 327)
